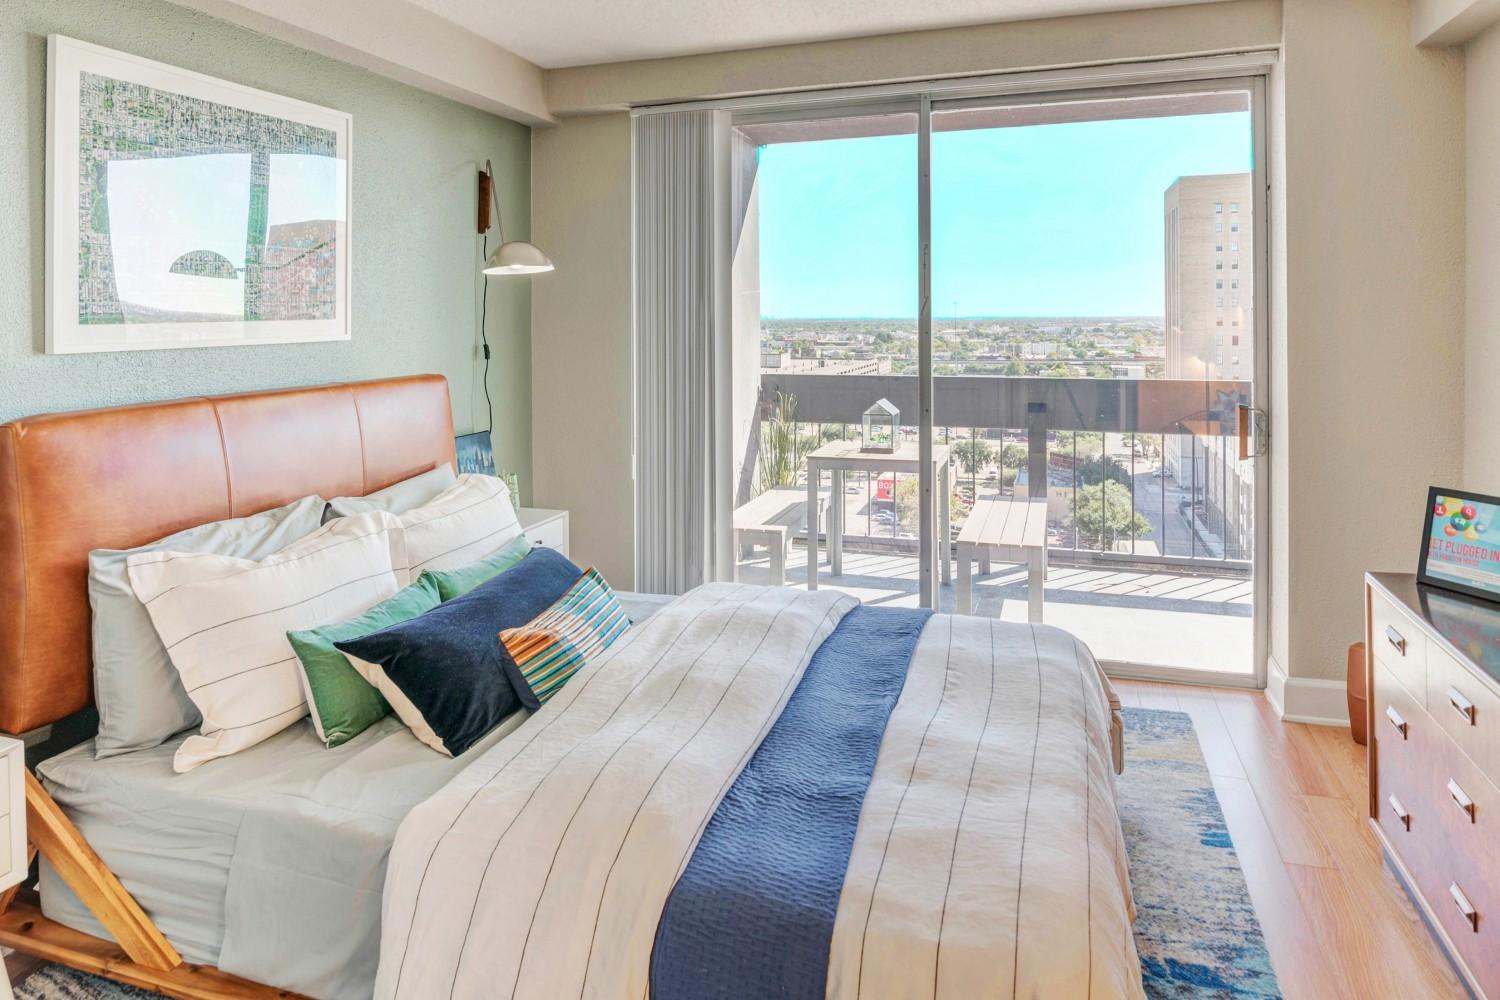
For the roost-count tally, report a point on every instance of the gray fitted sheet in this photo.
(269, 863)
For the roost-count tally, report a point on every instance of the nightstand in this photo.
(13, 860)
(546, 528)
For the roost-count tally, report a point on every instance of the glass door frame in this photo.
(1248, 72)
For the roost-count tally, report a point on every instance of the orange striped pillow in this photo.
(547, 651)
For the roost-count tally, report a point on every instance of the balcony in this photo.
(1158, 574)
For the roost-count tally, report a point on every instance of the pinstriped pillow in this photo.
(224, 622)
(461, 525)
(548, 650)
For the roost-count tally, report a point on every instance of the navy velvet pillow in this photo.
(447, 666)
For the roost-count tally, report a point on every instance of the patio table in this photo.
(839, 457)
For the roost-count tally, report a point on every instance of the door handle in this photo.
(1461, 799)
(1243, 416)
(1400, 811)
(1464, 906)
(1461, 705)
(1396, 720)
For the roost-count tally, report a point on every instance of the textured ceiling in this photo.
(580, 32)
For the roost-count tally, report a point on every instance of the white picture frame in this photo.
(161, 268)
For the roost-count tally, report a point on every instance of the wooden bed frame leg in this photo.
(65, 849)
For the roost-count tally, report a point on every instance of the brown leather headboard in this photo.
(117, 478)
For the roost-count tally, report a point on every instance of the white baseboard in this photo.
(1306, 699)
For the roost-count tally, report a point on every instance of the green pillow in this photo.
(453, 583)
(343, 703)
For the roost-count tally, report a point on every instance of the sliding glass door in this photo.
(825, 277)
(1001, 355)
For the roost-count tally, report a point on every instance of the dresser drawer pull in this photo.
(1461, 705)
(1396, 720)
(1395, 639)
(1460, 799)
(1464, 906)
(1400, 811)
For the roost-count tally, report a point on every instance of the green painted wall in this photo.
(416, 281)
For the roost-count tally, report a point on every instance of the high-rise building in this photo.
(1210, 321)
(1210, 334)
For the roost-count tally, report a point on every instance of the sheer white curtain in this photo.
(683, 491)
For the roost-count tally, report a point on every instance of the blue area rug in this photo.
(1195, 927)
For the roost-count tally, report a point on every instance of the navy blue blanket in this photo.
(752, 914)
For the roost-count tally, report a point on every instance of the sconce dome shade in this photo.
(517, 257)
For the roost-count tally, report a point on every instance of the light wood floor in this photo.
(1336, 921)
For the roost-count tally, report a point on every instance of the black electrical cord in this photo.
(484, 336)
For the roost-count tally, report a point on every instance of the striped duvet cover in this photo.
(987, 859)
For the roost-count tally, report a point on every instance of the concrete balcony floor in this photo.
(1164, 619)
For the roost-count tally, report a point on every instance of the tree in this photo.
(1014, 368)
(1096, 470)
(1089, 442)
(1102, 514)
(908, 494)
(973, 454)
(1014, 456)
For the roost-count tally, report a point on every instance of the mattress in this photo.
(269, 863)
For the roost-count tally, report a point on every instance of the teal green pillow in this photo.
(453, 583)
(343, 703)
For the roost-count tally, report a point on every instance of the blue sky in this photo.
(1051, 220)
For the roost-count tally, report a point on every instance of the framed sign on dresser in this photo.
(1433, 673)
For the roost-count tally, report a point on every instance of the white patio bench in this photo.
(770, 520)
(1010, 529)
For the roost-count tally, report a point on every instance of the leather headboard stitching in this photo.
(228, 472)
(74, 482)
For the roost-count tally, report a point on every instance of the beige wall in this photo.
(581, 358)
(1369, 401)
(1482, 360)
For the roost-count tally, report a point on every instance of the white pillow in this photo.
(461, 525)
(224, 622)
(397, 499)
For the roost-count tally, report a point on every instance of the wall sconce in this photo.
(515, 256)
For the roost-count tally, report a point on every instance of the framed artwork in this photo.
(185, 211)
(475, 453)
(1461, 543)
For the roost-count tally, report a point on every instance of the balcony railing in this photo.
(1170, 445)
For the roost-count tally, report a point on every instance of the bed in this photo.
(986, 770)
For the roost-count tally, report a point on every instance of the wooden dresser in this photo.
(1434, 725)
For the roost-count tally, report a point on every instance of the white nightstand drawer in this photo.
(553, 535)
(12, 814)
(546, 528)
(5, 856)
